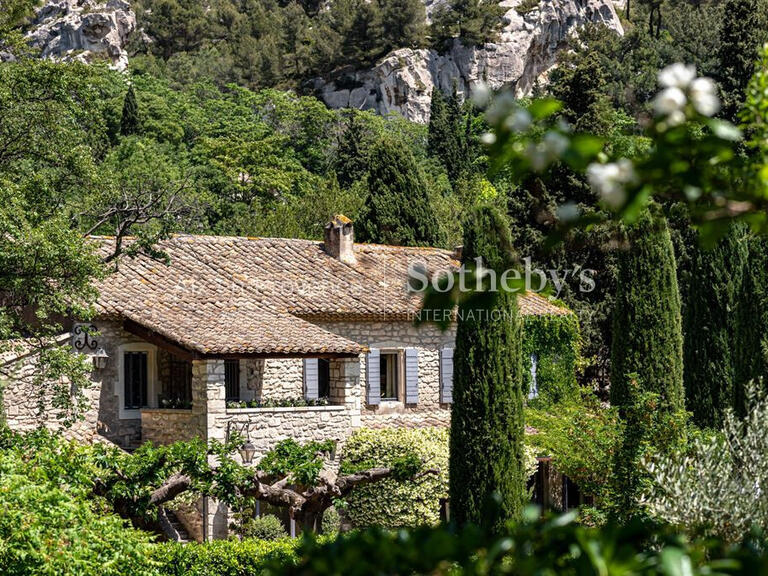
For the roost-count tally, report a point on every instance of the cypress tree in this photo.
(129, 123)
(398, 210)
(647, 331)
(486, 443)
(447, 133)
(647, 354)
(709, 324)
(751, 331)
(352, 153)
(742, 33)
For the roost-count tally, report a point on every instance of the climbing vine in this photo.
(553, 343)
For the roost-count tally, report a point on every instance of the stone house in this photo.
(272, 338)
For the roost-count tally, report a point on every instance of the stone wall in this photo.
(279, 379)
(267, 426)
(428, 340)
(162, 426)
(25, 405)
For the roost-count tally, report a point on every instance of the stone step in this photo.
(172, 527)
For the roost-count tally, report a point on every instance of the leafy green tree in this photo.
(129, 121)
(486, 442)
(710, 327)
(398, 209)
(448, 133)
(647, 332)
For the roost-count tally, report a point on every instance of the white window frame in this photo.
(151, 350)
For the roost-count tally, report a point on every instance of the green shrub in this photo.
(582, 436)
(555, 342)
(558, 545)
(267, 527)
(223, 557)
(50, 521)
(392, 503)
(331, 521)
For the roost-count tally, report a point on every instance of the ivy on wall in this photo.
(555, 343)
(394, 503)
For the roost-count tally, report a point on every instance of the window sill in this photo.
(165, 410)
(286, 409)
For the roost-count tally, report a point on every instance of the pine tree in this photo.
(472, 21)
(129, 123)
(741, 34)
(486, 442)
(709, 325)
(647, 334)
(398, 210)
(403, 23)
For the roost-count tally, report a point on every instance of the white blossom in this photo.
(519, 121)
(669, 101)
(568, 212)
(556, 143)
(488, 138)
(610, 180)
(703, 94)
(677, 76)
(481, 95)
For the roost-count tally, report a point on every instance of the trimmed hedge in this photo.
(223, 557)
(392, 503)
(556, 342)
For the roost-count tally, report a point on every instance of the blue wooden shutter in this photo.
(310, 379)
(373, 377)
(411, 376)
(446, 376)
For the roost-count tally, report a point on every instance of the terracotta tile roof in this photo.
(231, 295)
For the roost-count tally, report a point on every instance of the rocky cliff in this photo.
(83, 30)
(403, 81)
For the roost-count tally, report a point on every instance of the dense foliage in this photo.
(711, 327)
(51, 522)
(394, 503)
(553, 343)
(647, 335)
(553, 545)
(397, 210)
(486, 447)
(222, 557)
(716, 486)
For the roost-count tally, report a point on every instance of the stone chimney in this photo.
(340, 239)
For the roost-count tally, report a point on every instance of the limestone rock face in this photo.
(402, 81)
(84, 30)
